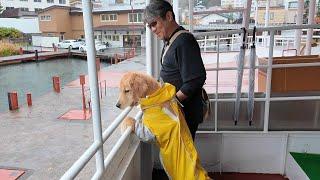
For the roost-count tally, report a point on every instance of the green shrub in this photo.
(9, 33)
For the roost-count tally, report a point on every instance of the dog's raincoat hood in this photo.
(164, 118)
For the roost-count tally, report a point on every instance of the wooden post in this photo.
(20, 51)
(98, 64)
(13, 100)
(82, 82)
(29, 99)
(36, 55)
(56, 83)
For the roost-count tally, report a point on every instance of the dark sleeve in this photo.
(190, 64)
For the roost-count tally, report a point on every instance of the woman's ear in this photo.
(169, 16)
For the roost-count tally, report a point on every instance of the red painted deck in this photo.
(10, 174)
(76, 115)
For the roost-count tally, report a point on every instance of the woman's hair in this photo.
(157, 8)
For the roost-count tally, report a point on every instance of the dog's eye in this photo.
(126, 91)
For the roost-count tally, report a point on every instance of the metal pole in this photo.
(268, 90)
(246, 14)
(217, 89)
(266, 22)
(93, 82)
(191, 15)
(312, 8)
(175, 5)
(256, 14)
(298, 32)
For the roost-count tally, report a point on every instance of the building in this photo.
(32, 5)
(120, 26)
(277, 15)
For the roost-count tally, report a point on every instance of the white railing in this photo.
(233, 43)
(75, 169)
(269, 68)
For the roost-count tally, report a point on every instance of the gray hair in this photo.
(157, 8)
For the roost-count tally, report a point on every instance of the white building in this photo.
(32, 5)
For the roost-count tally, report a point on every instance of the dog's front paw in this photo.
(127, 122)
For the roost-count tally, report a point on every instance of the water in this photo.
(36, 78)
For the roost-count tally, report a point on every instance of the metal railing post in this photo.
(93, 82)
(268, 90)
(217, 89)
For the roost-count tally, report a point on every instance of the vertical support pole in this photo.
(268, 86)
(13, 100)
(217, 88)
(29, 99)
(82, 82)
(93, 82)
(205, 44)
(56, 84)
(298, 32)
(312, 10)
(246, 14)
(191, 5)
(36, 55)
(256, 15)
(105, 87)
(266, 22)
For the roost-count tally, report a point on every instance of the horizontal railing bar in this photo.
(115, 124)
(238, 31)
(275, 66)
(295, 98)
(117, 146)
(77, 166)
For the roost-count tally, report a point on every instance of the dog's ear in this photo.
(139, 85)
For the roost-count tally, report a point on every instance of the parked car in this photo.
(70, 44)
(98, 45)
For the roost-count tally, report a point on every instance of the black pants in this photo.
(193, 113)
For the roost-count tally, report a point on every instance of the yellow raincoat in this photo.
(164, 118)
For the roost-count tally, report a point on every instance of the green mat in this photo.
(310, 163)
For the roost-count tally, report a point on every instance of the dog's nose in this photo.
(118, 105)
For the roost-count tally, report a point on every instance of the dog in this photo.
(163, 123)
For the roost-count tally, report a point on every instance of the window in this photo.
(7, 8)
(135, 17)
(37, 9)
(50, 1)
(62, 1)
(24, 9)
(45, 18)
(109, 17)
(115, 38)
(108, 37)
(271, 16)
(293, 5)
(23, 0)
(36, 0)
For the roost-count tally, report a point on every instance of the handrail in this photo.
(238, 31)
(77, 166)
(106, 134)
